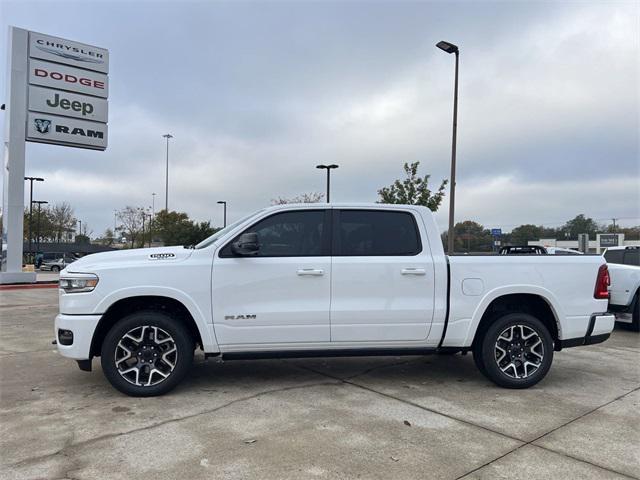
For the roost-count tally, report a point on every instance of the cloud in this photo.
(256, 97)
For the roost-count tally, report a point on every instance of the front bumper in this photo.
(599, 329)
(82, 328)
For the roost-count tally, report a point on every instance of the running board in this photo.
(350, 352)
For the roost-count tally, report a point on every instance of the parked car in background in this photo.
(562, 251)
(624, 269)
(58, 264)
(326, 280)
(522, 250)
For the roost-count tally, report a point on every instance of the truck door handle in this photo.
(413, 271)
(311, 272)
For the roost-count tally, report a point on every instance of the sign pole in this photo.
(14, 159)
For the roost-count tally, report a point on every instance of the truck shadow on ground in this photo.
(434, 369)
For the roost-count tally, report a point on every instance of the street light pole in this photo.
(451, 48)
(166, 186)
(153, 204)
(328, 168)
(225, 212)
(31, 180)
(40, 203)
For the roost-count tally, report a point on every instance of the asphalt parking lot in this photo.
(386, 417)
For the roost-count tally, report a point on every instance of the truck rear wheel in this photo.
(635, 315)
(147, 353)
(516, 351)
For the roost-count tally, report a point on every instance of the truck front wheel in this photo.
(516, 351)
(147, 353)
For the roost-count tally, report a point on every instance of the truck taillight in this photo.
(602, 283)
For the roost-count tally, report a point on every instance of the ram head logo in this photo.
(42, 125)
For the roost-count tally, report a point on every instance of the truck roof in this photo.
(371, 205)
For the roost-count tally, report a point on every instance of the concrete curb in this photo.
(25, 286)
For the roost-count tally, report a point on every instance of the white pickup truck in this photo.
(624, 268)
(326, 280)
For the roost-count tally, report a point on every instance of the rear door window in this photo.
(376, 233)
(632, 257)
(614, 256)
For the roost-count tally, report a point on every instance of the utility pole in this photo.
(166, 186)
(614, 225)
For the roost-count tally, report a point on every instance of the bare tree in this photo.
(130, 222)
(311, 197)
(61, 220)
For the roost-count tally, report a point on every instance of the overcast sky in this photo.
(257, 94)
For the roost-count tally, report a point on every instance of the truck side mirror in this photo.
(246, 245)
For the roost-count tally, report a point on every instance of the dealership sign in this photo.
(76, 54)
(66, 131)
(68, 86)
(68, 78)
(57, 92)
(68, 104)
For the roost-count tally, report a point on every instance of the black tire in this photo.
(635, 315)
(158, 332)
(477, 358)
(520, 363)
(55, 268)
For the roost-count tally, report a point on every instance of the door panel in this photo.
(282, 294)
(288, 307)
(376, 295)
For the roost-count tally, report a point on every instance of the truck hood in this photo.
(130, 257)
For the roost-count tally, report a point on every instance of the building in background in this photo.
(599, 245)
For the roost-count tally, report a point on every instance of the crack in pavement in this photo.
(64, 450)
(27, 306)
(13, 354)
(470, 423)
(70, 447)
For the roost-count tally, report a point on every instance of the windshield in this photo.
(212, 239)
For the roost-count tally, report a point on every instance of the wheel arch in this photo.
(540, 304)
(135, 303)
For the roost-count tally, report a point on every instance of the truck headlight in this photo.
(78, 283)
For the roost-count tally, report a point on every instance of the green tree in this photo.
(580, 224)
(200, 231)
(107, 238)
(470, 236)
(522, 234)
(176, 228)
(413, 190)
(82, 239)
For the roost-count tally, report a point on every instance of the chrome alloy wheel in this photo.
(146, 356)
(519, 351)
